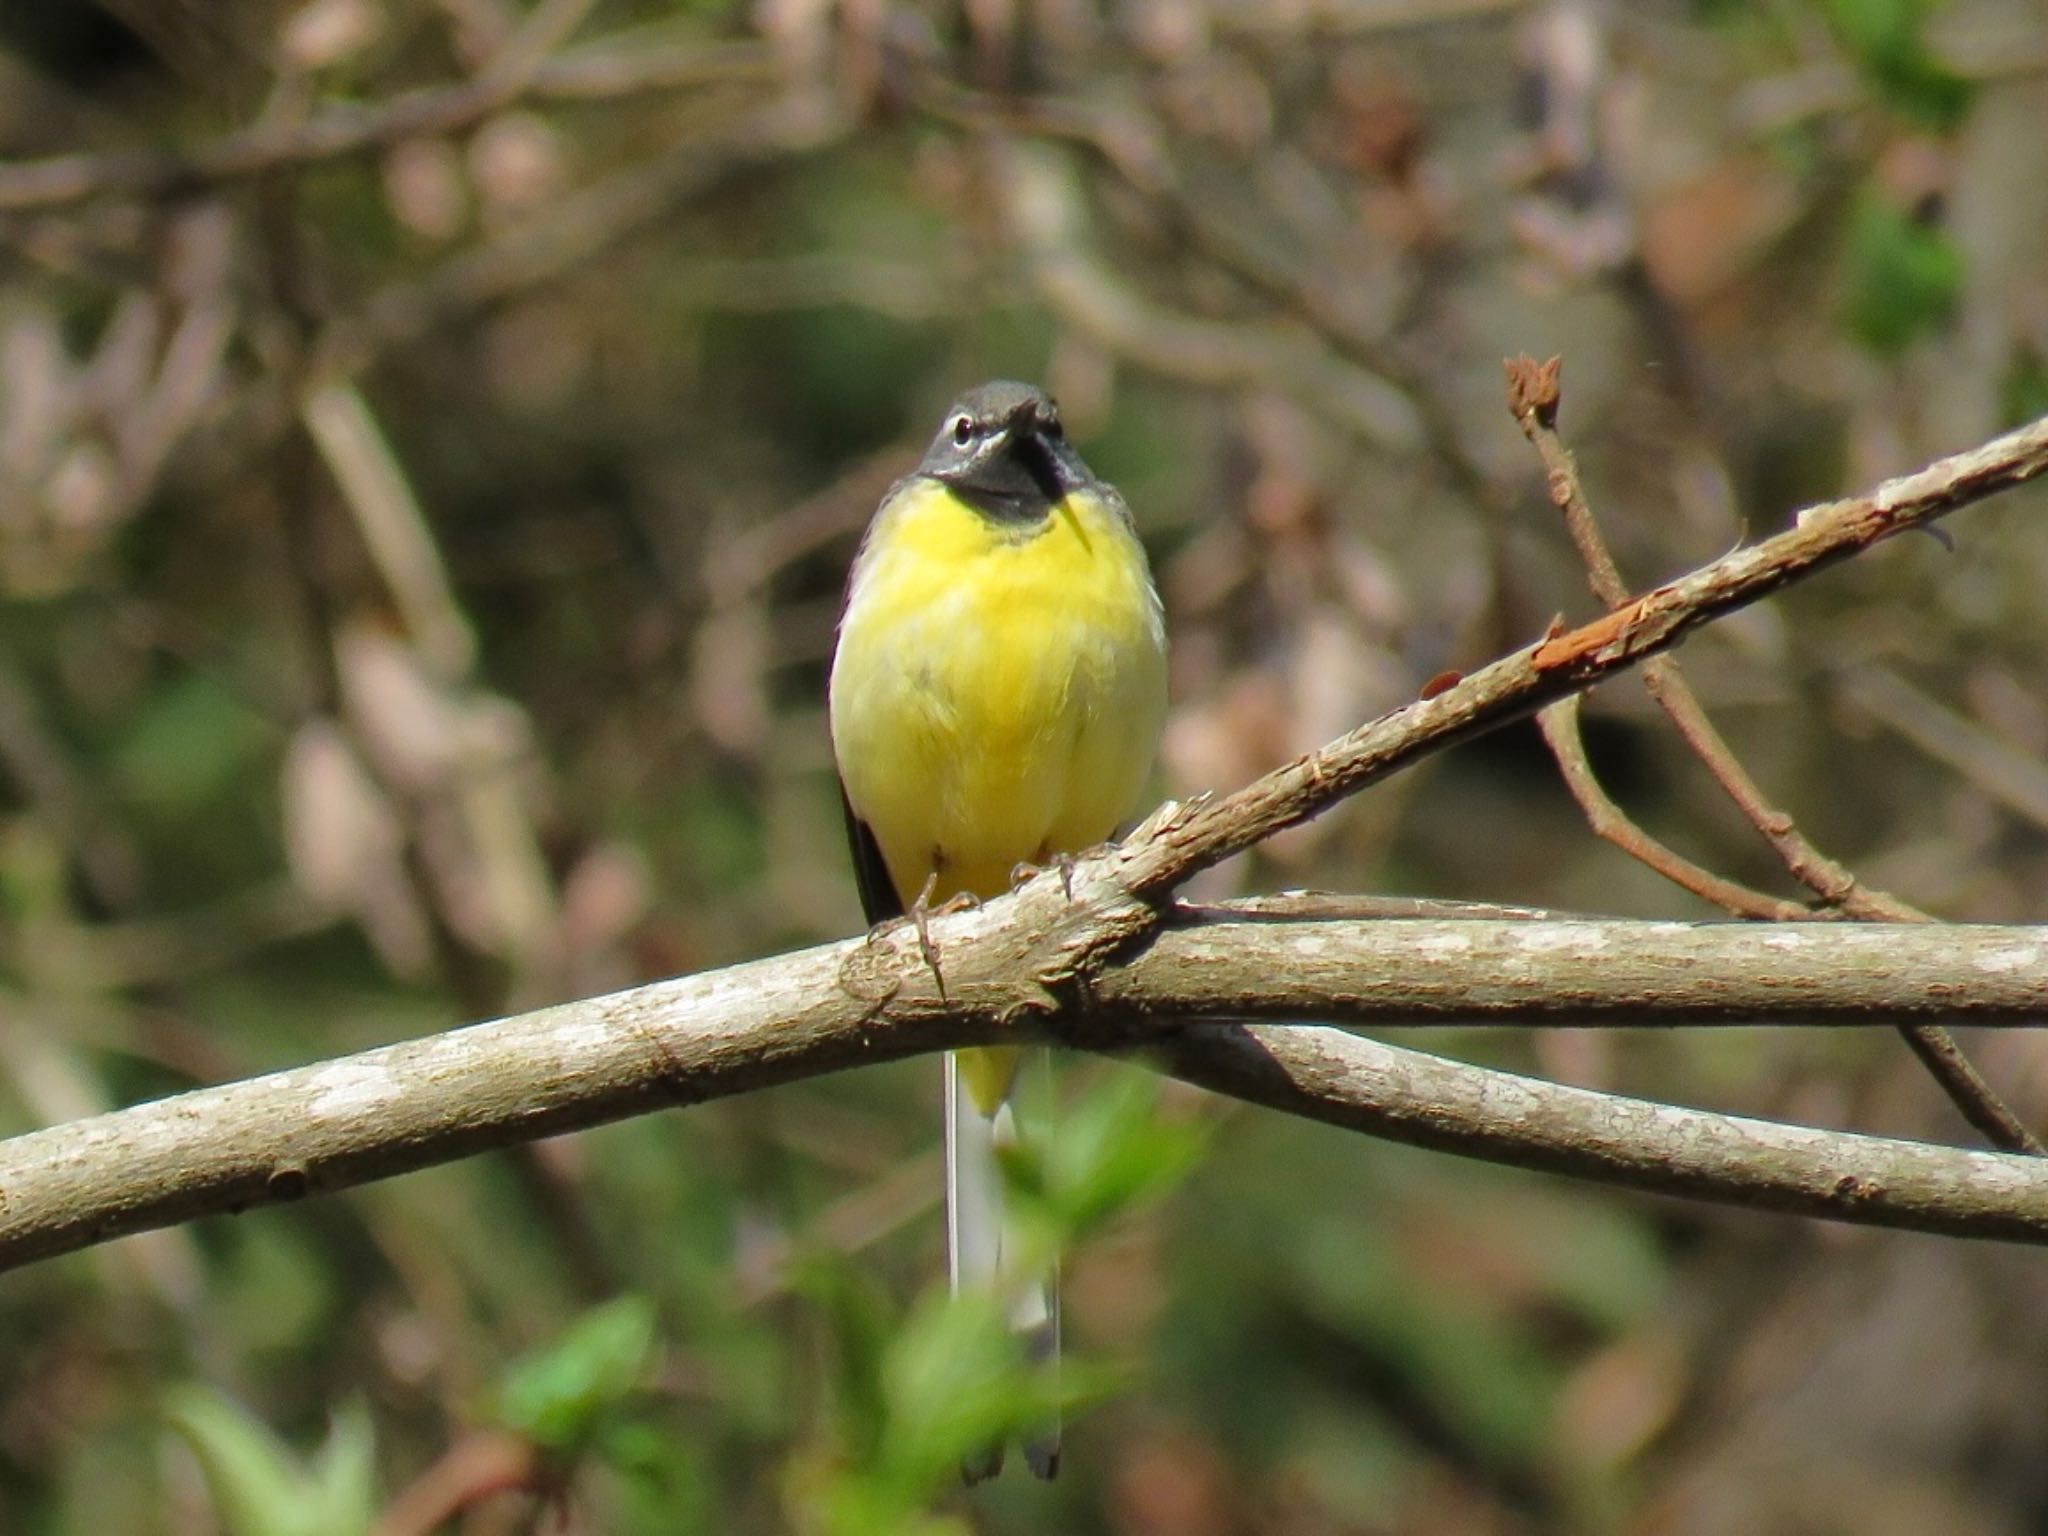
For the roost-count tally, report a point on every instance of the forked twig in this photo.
(1560, 726)
(1534, 393)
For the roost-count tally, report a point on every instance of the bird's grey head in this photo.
(1002, 448)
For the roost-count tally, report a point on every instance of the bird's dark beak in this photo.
(1047, 459)
(1023, 424)
(1022, 464)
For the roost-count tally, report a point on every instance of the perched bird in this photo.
(997, 695)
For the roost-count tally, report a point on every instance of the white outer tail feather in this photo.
(976, 1239)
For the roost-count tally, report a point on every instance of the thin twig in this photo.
(1831, 881)
(1334, 906)
(1196, 836)
(1560, 726)
(1534, 393)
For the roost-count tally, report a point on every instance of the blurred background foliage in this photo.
(423, 503)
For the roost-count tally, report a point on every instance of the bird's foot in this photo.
(922, 911)
(1065, 863)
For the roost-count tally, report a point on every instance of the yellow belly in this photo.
(997, 694)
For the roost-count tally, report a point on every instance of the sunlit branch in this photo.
(1025, 964)
(1088, 953)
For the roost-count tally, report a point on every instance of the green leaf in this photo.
(260, 1487)
(1110, 1151)
(345, 1472)
(561, 1394)
(1905, 276)
(666, 1483)
(918, 1395)
(860, 1324)
(849, 1506)
(1885, 38)
(952, 1381)
(2024, 395)
(187, 743)
(955, 1380)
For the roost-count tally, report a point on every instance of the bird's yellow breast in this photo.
(998, 689)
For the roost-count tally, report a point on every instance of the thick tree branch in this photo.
(1363, 1085)
(1249, 962)
(1019, 964)
(1038, 959)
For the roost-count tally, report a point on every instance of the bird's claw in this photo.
(1065, 863)
(922, 911)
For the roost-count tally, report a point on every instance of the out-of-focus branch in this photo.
(142, 952)
(392, 525)
(1361, 365)
(1043, 211)
(626, 64)
(1035, 962)
(336, 131)
(2015, 778)
(584, 225)
(33, 757)
(482, 1464)
(1534, 396)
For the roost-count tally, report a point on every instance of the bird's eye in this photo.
(963, 429)
(1054, 430)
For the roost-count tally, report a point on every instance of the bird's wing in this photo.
(878, 898)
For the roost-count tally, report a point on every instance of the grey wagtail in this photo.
(997, 695)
